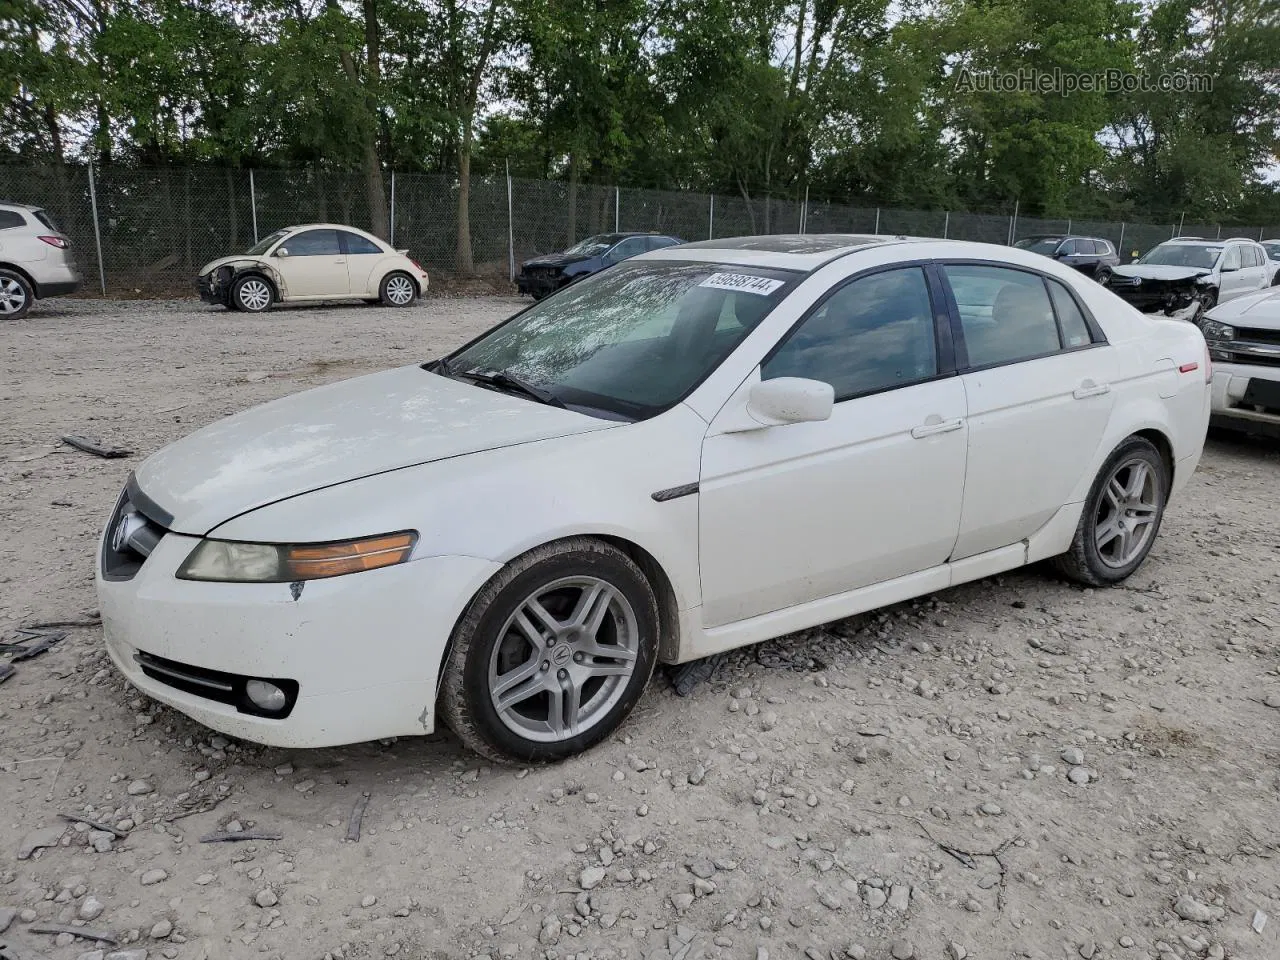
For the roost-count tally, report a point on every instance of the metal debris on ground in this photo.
(6, 672)
(229, 836)
(686, 676)
(357, 818)
(87, 933)
(29, 644)
(88, 621)
(96, 825)
(96, 448)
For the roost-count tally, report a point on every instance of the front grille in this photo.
(541, 273)
(1255, 335)
(228, 688)
(1226, 354)
(136, 528)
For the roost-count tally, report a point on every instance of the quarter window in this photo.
(314, 243)
(872, 334)
(1075, 331)
(358, 245)
(1005, 314)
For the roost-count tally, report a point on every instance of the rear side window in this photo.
(357, 245)
(1005, 314)
(10, 219)
(1102, 248)
(657, 243)
(870, 335)
(1075, 331)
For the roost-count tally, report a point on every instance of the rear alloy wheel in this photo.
(1121, 517)
(397, 290)
(552, 654)
(251, 294)
(16, 295)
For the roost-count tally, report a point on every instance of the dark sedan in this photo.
(1093, 256)
(543, 275)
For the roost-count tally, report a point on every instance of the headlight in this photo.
(229, 562)
(1213, 330)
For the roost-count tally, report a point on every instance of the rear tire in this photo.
(16, 295)
(397, 289)
(1121, 516)
(552, 654)
(252, 294)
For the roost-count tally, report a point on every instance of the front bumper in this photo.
(538, 285)
(1230, 405)
(1153, 295)
(365, 649)
(215, 286)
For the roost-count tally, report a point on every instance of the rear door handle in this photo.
(934, 426)
(1090, 389)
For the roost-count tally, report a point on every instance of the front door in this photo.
(1038, 394)
(315, 266)
(800, 512)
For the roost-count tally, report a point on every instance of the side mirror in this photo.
(790, 400)
(282, 251)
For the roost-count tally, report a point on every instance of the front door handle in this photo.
(935, 425)
(1090, 389)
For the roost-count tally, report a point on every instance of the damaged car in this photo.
(547, 274)
(1187, 276)
(1244, 344)
(314, 261)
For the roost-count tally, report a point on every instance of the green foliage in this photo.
(853, 100)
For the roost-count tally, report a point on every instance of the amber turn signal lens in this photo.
(314, 561)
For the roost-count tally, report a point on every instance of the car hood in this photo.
(1159, 271)
(336, 433)
(556, 260)
(223, 261)
(1258, 310)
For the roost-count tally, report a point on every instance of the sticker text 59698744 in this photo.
(741, 281)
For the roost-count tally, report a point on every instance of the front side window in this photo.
(1200, 255)
(1045, 245)
(314, 243)
(633, 340)
(1231, 260)
(872, 334)
(358, 245)
(628, 248)
(1005, 314)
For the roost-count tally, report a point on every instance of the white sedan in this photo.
(314, 261)
(700, 448)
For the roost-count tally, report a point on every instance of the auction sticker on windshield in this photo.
(740, 281)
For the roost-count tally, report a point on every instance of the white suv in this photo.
(35, 260)
(1189, 275)
(1244, 344)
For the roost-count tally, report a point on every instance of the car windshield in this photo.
(265, 244)
(590, 246)
(1273, 250)
(1045, 245)
(1203, 256)
(631, 341)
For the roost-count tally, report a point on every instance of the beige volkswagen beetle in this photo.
(313, 261)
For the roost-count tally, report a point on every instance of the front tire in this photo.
(251, 294)
(397, 290)
(16, 295)
(552, 654)
(1121, 516)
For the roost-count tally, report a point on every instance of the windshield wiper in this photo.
(511, 383)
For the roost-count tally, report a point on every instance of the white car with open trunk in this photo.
(703, 447)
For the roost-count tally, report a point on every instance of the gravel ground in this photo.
(1012, 768)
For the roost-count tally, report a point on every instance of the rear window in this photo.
(43, 217)
(10, 219)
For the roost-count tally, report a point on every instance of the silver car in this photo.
(35, 260)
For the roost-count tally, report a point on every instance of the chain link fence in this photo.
(148, 230)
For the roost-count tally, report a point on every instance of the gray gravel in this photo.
(1012, 768)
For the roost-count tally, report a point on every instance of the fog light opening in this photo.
(266, 696)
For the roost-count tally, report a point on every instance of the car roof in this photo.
(617, 237)
(788, 251)
(19, 206)
(1206, 240)
(1060, 236)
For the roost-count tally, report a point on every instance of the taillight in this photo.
(418, 265)
(56, 242)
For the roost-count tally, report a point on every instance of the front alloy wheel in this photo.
(251, 294)
(552, 654)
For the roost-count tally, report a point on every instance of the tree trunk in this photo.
(372, 165)
(463, 260)
(573, 199)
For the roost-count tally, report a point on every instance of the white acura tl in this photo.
(703, 447)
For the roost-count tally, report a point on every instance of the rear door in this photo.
(316, 267)
(1037, 378)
